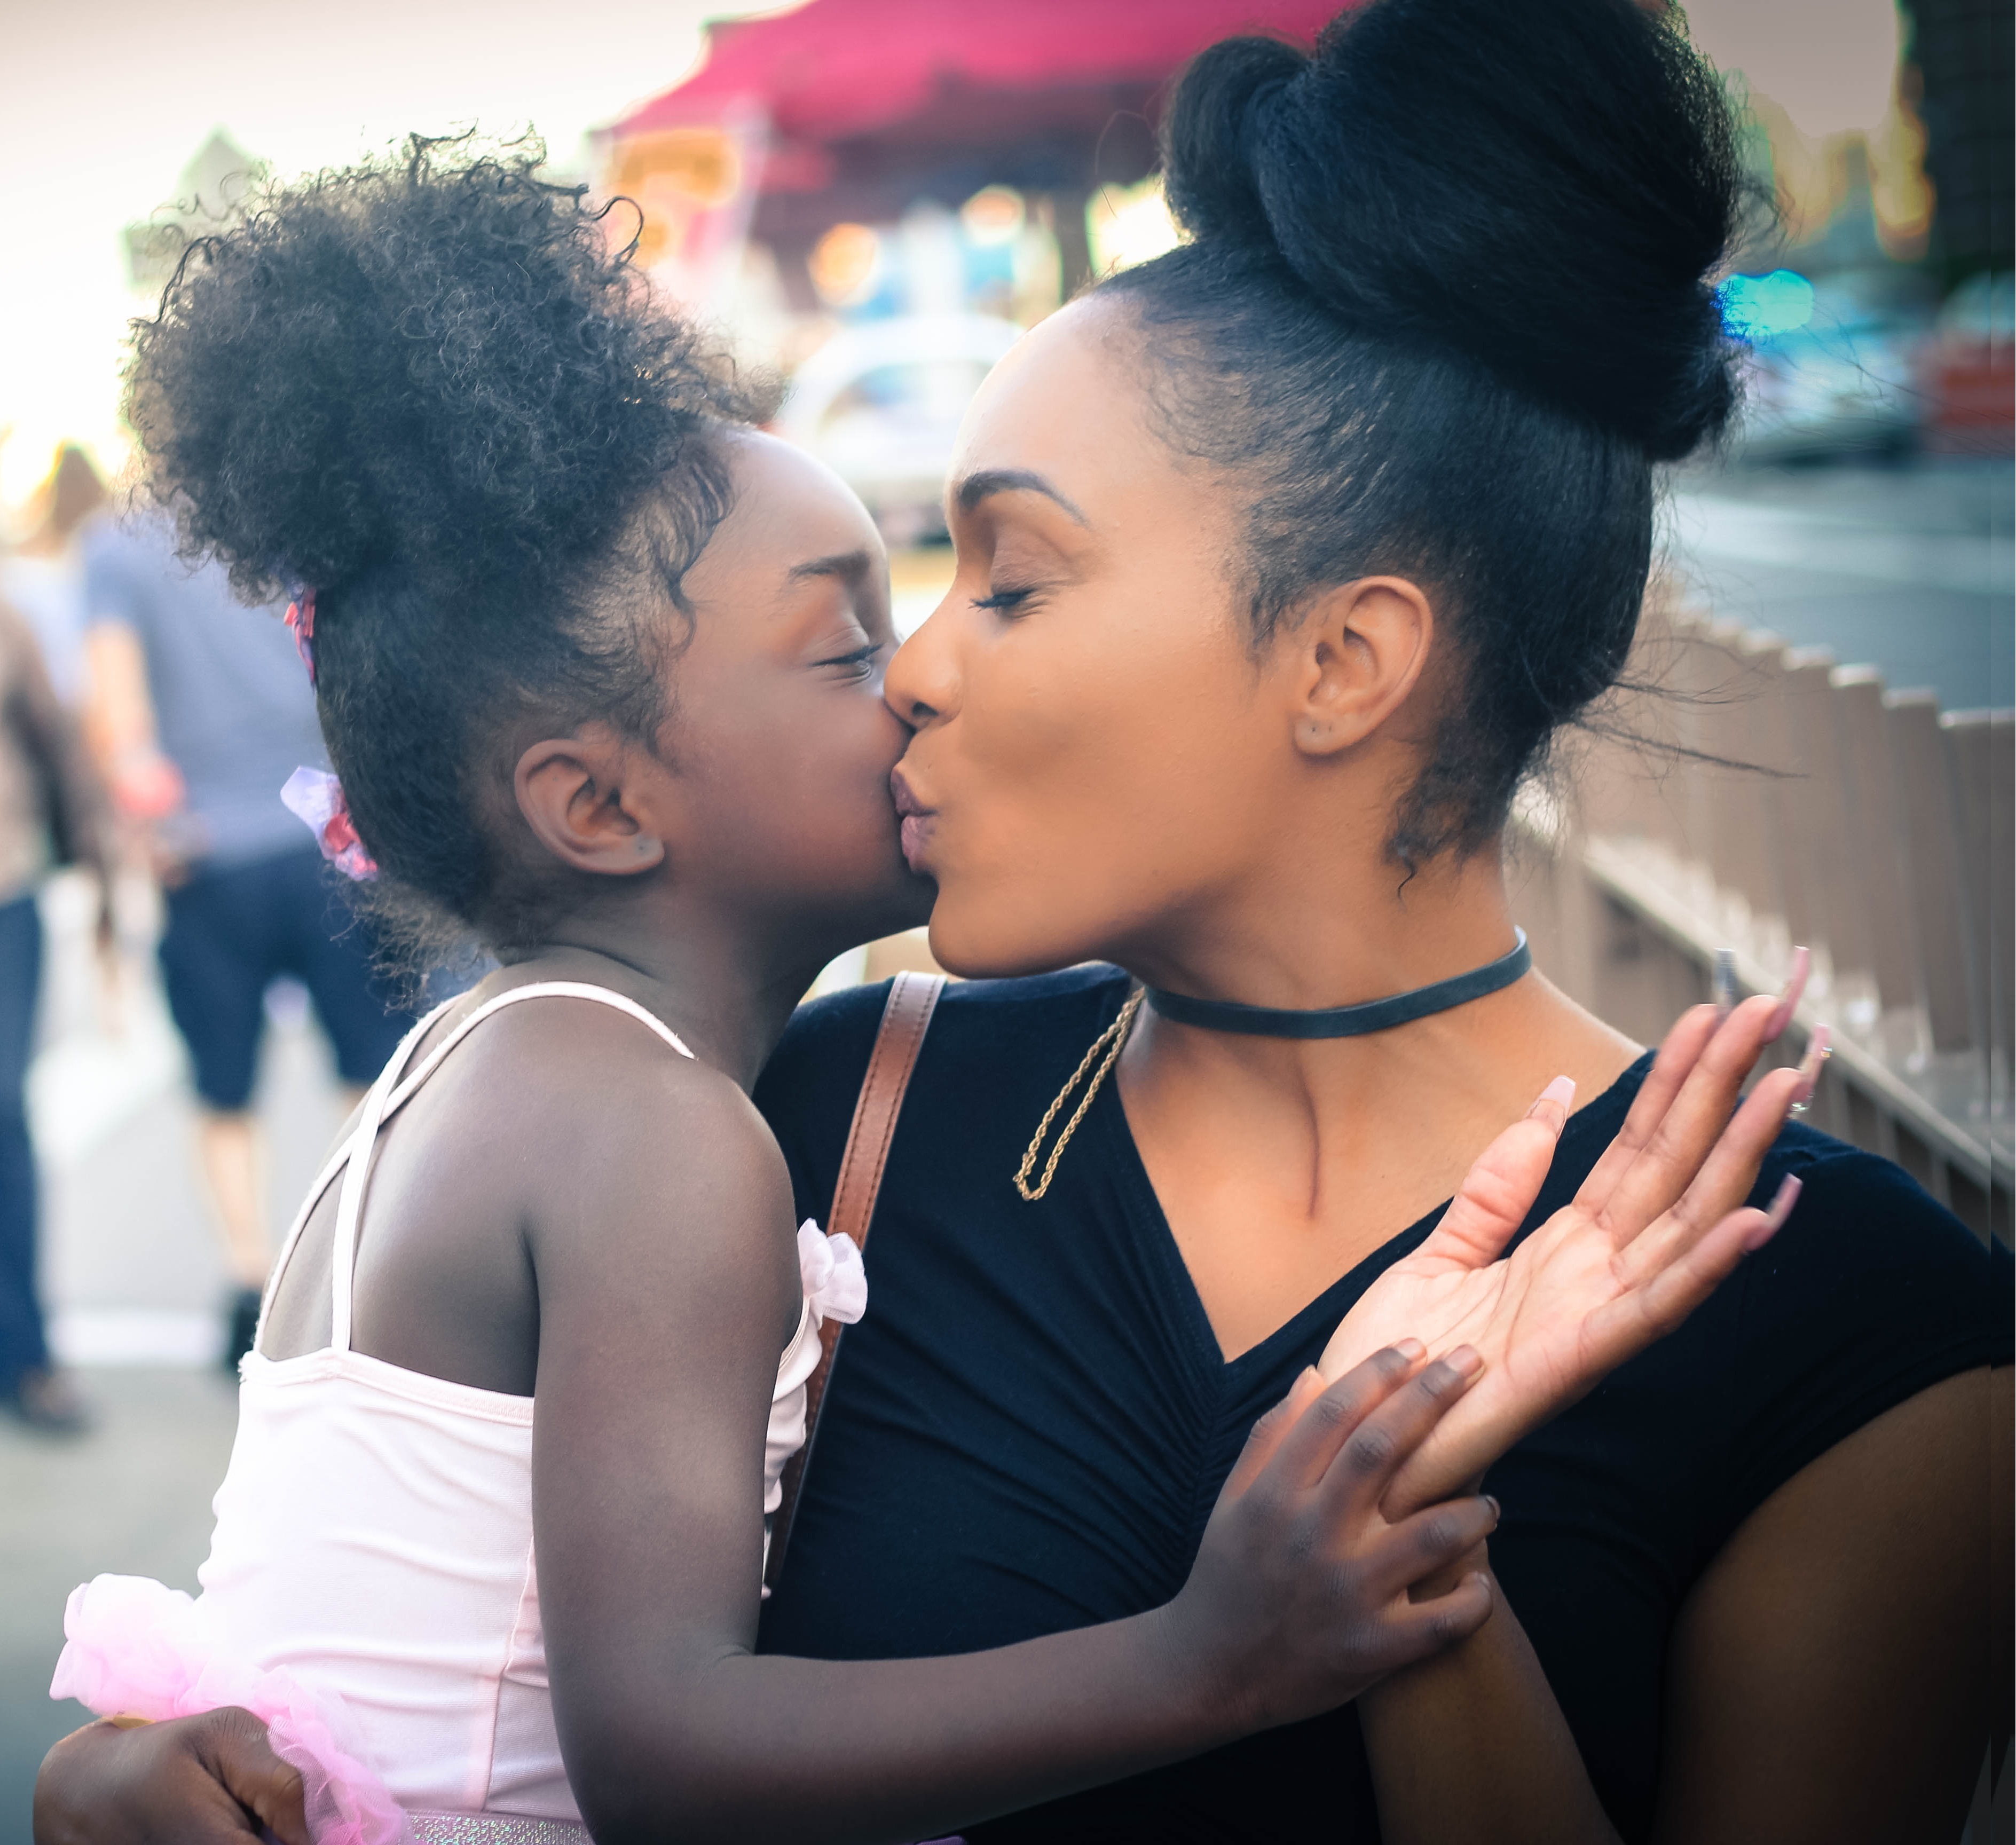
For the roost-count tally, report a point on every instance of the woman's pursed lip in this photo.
(908, 805)
(915, 820)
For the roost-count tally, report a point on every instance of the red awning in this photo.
(942, 74)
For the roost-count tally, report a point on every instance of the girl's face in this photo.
(1100, 755)
(779, 735)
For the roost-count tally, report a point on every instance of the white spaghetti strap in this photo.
(390, 1092)
(538, 990)
(336, 1164)
(350, 1201)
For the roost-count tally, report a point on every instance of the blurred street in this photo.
(1909, 566)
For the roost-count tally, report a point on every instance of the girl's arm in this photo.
(659, 1236)
(666, 1292)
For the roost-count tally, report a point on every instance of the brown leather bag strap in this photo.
(907, 1016)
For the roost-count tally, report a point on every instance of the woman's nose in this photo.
(921, 683)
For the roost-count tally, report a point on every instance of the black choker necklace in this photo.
(1345, 1021)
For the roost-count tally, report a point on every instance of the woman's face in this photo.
(779, 733)
(1099, 756)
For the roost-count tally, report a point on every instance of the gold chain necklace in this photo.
(1111, 1041)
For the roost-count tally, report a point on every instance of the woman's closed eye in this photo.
(1009, 600)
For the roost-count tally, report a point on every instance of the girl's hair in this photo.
(433, 390)
(1445, 303)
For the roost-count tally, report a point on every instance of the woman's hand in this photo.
(1298, 1598)
(208, 1780)
(1655, 1226)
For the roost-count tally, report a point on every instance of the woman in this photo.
(1280, 559)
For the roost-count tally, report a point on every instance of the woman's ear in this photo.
(1358, 652)
(581, 798)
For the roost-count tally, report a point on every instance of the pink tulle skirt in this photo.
(136, 1648)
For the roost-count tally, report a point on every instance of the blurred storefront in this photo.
(898, 185)
(879, 194)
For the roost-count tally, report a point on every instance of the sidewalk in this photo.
(132, 1498)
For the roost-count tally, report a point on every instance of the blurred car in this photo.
(880, 403)
(1969, 369)
(1844, 383)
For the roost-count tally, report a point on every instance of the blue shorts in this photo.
(231, 932)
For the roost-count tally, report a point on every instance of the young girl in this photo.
(599, 668)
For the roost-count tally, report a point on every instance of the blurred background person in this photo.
(42, 577)
(199, 710)
(51, 815)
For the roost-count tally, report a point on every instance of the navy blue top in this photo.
(1028, 1430)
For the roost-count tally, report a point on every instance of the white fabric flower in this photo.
(829, 1271)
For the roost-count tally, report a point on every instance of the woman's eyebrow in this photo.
(976, 487)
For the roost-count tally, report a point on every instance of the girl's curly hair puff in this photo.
(432, 389)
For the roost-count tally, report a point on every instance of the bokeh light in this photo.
(1757, 309)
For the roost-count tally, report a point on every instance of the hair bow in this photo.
(300, 618)
(315, 796)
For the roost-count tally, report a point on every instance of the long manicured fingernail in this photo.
(1819, 1047)
(1561, 1092)
(1788, 1002)
(1466, 1360)
(1786, 1196)
(1724, 983)
(1497, 1511)
(1410, 1348)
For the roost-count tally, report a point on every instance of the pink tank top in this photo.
(374, 1532)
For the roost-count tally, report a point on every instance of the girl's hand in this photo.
(1655, 1226)
(1298, 1598)
(208, 1780)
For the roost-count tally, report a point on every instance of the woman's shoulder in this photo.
(829, 1039)
(1872, 1292)
(1004, 1035)
(1855, 1208)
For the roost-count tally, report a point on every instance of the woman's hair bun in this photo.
(1544, 187)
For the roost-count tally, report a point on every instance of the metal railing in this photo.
(1757, 796)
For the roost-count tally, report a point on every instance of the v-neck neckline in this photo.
(1150, 1223)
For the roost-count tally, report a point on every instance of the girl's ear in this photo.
(579, 795)
(1358, 652)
